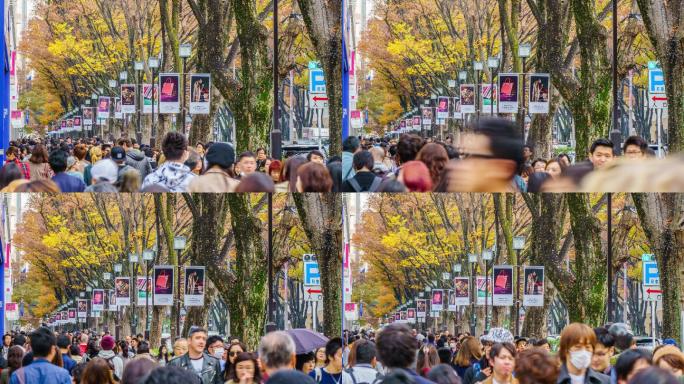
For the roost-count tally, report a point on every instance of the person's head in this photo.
(194, 161)
(39, 155)
(601, 153)
(97, 371)
(443, 374)
(256, 182)
(378, 154)
(277, 351)
(470, 350)
(539, 165)
(363, 161)
(316, 156)
(125, 143)
(603, 350)
(245, 366)
(180, 347)
(366, 353)
(197, 340)
(9, 173)
(415, 175)
(350, 144)
(408, 148)
(260, 154)
(577, 343)
(247, 162)
(527, 152)
(335, 171)
(80, 151)
(43, 343)
(306, 362)
(58, 160)
(536, 366)
(320, 356)
(654, 375)
(435, 157)
(14, 356)
(333, 353)
(553, 168)
(74, 350)
(630, 362)
(175, 147)
(396, 346)
(444, 354)
(221, 155)
(669, 358)
(63, 343)
(521, 344)
(274, 170)
(234, 350)
(130, 181)
(502, 359)
(12, 153)
(635, 147)
(314, 177)
(170, 374)
(136, 369)
(215, 346)
(624, 339)
(143, 347)
(542, 343)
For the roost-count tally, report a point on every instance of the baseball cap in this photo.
(118, 153)
(105, 170)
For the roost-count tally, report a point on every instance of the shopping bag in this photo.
(507, 86)
(162, 281)
(501, 280)
(167, 88)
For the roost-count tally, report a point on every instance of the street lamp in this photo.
(472, 259)
(179, 246)
(457, 268)
(117, 268)
(518, 245)
(153, 63)
(106, 275)
(148, 256)
(139, 66)
(487, 256)
(184, 51)
(133, 258)
(492, 64)
(478, 66)
(524, 50)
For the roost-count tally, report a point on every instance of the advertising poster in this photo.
(437, 302)
(143, 291)
(72, 315)
(485, 97)
(117, 108)
(122, 289)
(503, 285)
(442, 107)
(87, 115)
(462, 290)
(147, 99)
(481, 287)
(421, 308)
(403, 317)
(508, 97)
(416, 122)
(533, 291)
(467, 92)
(200, 93)
(540, 85)
(103, 104)
(70, 124)
(82, 308)
(194, 286)
(163, 284)
(78, 122)
(169, 95)
(98, 299)
(451, 306)
(411, 315)
(426, 113)
(128, 93)
(110, 301)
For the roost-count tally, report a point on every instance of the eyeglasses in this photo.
(231, 354)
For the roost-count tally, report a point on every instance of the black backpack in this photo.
(378, 377)
(373, 187)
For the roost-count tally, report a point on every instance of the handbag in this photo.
(168, 87)
(162, 280)
(507, 86)
(501, 280)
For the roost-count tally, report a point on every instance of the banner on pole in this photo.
(87, 115)
(421, 308)
(426, 113)
(103, 105)
(147, 99)
(82, 308)
(78, 122)
(194, 286)
(143, 291)
(122, 288)
(411, 315)
(163, 284)
(169, 99)
(128, 93)
(540, 86)
(98, 300)
(111, 300)
(437, 302)
(486, 96)
(533, 293)
(442, 107)
(117, 108)
(461, 291)
(503, 285)
(452, 301)
(200, 93)
(72, 315)
(481, 287)
(508, 97)
(467, 101)
(403, 317)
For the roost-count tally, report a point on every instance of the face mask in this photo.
(580, 359)
(218, 353)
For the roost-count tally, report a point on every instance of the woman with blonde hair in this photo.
(427, 358)
(95, 156)
(469, 354)
(130, 181)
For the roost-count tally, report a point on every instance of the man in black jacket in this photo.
(364, 180)
(197, 361)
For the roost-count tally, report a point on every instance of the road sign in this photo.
(312, 276)
(316, 81)
(647, 257)
(318, 100)
(651, 275)
(657, 101)
(313, 293)
(656, 81)
(652, 293)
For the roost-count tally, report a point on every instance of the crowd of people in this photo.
(494, 158)
(90, 165)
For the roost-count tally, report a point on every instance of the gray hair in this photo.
(276, 349)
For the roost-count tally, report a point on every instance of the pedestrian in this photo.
(435, 157)
(397, 348)
(65, 182)
(553, 168)
(14, 356)
(288, 176)
(75, 353)
(172, 174)
(104, 175)
(320, 357)
(276, 357)
(196, 360)
(364, 369)
(98, 371)
(502, 360)
(274, 170)
(163, 356)
(364, 180)
(443, 374)
(577, 342)
(144, 351)
(246, 164)
(215, 348)
(415, 176)
(246, 370)
(350, 146)
(41, 371)
(332, 372)
(180, 347)
(305, 363)
(536, 366)
(13, 156)
(63, 344)
(218, 177)
(603, 351)
(630, 363)
(107, 344)
(135, 158)
(427, 358)
(38, 163)
(654, 375)
(635, 148)
(313, 177)
(136, 370)
(95, 155)
(469, 354)
(669, 358)
(171, 374)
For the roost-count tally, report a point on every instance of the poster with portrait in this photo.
(442, 107)
(78, 122)
(508, 96)
(462, 290)
(128, 93)
(437, 301)
(403, 317)
(397, 317)
(533, 291)
(503, 285)
(110, 301)
(482, 287)
(82, 308)
(416, 122)
(457, 109)
(426, 115)
(70, 125)
(163, 284)
(147, 99)
(98, 300)
(451, 306)
(200, 93)
(194, 286)
(117, 108)
(411, 315)
(143, 291)
(122, 289)
(540, 91)
(421, 308)
(402, 126)
(486, 97)
(103, 104)
(467, 101)
(72, 315)
(169, 93)
(87, 115)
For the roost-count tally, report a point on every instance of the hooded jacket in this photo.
(115, 359)
(136, 159)
(174, 176)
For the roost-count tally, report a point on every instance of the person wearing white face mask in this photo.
(215, 348)
(577, 342)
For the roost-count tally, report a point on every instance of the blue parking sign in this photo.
(656, 81)
(650, 273)
(312, 276)
(316, 81)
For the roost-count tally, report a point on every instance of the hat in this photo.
(498, 335)
(667, 350)
(107, 343)
(118, 153)
(221, 154)
(670, 342)
(105, 170)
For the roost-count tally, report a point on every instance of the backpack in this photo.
(373, 187)
(344, 379)
(378, 377)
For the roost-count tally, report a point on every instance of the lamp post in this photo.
(179, 246)
(462, 77)
(184, 51)
(270, 325)
(487, 255)
(276, 134)
(518, 245)
(133, 259)
(139, 66)
(477, 66)
(153, 63)
(112, 85)
(117, 329)
(492, 64)
(148, 255)
(524, 50)
(428, 289)
(93, 97)
(457, 271)
(472, 259)
(123, 77)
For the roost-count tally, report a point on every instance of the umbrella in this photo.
(306, 340)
